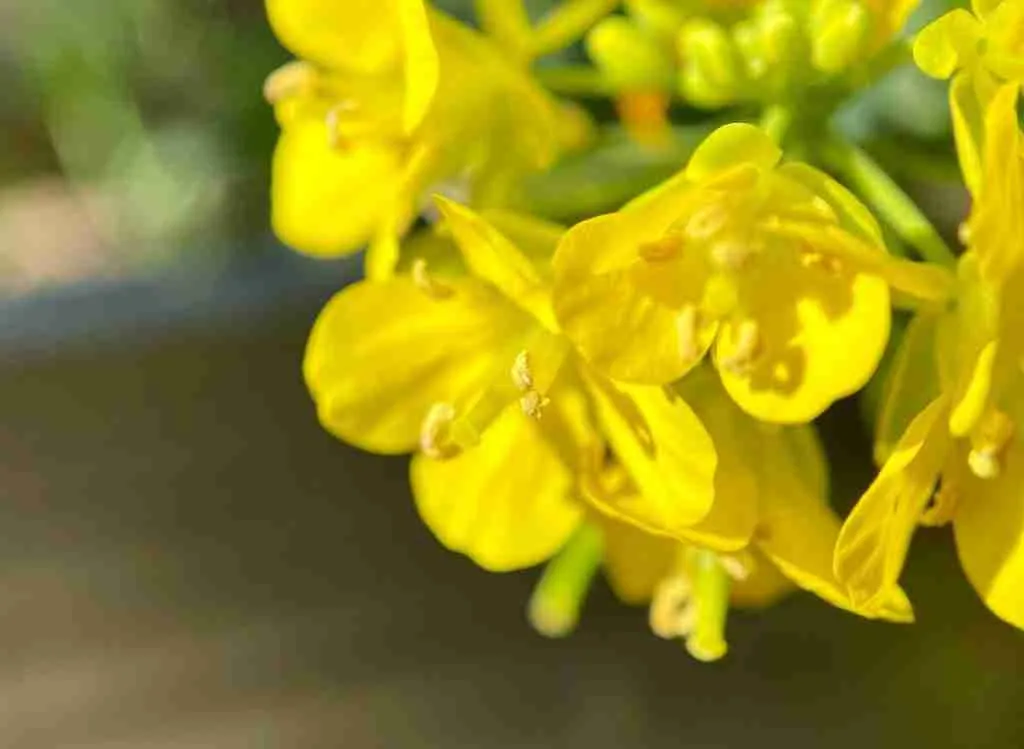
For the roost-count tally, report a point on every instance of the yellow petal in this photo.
(734, 514)
(627, 316)
(505, 503)
(331, 201)
(821, 338)
(989, 530)
(912, 383)
(968, 127)
(939, 48)
(635, 561)
(997, 223)
(382, 353)
(968, 345)
(763, 586)
(490, 256)
(668, 455)
(729, 146)
(874, 540)
(798, 529)
(853, 215)
(358, 35)
(421, 66)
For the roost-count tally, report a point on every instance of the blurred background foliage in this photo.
(137, 140)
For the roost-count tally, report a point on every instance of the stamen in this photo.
(692, 604)
(426, 283)
(942, 507)
(688, 333)
(333, 121)
(735, 568)
(731, 253)
(522, 375)
(533, 404)
(988, 445)
(746, 350)
(820, 261)
(435, 433)
(291, 79)
(711, 596)
(661, 250)
(672, 613)
(555, 604)
(963, 233)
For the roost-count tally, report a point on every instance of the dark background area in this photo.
(188, 560)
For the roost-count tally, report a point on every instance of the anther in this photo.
(963, 233)
(707, 222)
(533, 404)
(333, 121)
(291, 79)
(988, 445)
(672, 612)
(661, 250)
(522, 374)
(746, 350)
(817, 260)
(730, 254)
(426, 283)
(435, 432)
(735, 567)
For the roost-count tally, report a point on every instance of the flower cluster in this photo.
(636, 393)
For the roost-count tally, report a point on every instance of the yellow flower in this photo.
(777, 267)
(471, 370)
(964, 365)
(980, 51)
(775, 478)
(388, 99)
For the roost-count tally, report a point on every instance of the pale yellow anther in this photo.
(522, 374)
(333, 121)
(672, 612)
(533, 404)
(295, 78)
(731, 253)
(706, 222)
(661, 250)
(988, 444)
(426, 283)
(688, 333)
(963, 233)
(746, 349)
(820, 261)
(735, 567)
(436, 432)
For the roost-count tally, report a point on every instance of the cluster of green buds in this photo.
(719, 53)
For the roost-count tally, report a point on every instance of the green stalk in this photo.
(889, 200)
(555, 605)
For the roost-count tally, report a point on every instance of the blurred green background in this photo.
(188, 560)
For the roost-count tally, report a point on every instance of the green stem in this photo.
(895, 207)
(711, 593)
(554, 608)
(776, 121)
(574, 80)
